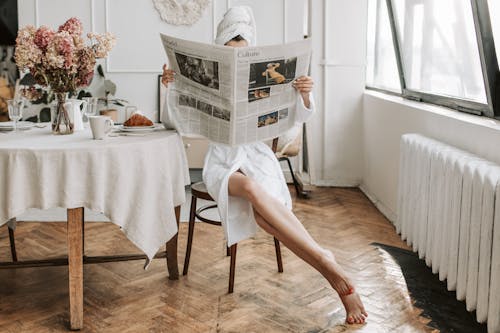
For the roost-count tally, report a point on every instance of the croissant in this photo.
(138, 120)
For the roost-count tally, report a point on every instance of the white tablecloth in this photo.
(136, 181)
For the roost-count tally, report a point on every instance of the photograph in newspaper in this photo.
(185, 100)
(204, 72)
(283, 114)
(269, 73)
(268, 119)
(221, 113)
(204, 107)
(259, 93)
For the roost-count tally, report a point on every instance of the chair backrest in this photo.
(274, 147)
(293, 147)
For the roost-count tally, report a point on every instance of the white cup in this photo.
(100, 126)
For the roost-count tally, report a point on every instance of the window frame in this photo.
(488, 59)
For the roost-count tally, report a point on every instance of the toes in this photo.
(355, 319)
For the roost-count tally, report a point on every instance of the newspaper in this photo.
(233, 95)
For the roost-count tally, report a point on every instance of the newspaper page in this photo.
(234, 95)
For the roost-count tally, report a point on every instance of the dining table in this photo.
(136, 179)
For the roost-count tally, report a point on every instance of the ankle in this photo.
(326, 259)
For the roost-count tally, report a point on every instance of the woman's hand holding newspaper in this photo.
(167, 76)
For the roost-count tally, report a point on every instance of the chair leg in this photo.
(278, 255)
(12, 245)
(190, 235)
(232, 268)
(300, 194)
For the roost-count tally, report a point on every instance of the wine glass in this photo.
(129, 110)
(91, 108)
(15, 107)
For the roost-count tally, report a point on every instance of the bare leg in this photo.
(279, 221)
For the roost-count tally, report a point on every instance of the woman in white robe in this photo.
(248, 184)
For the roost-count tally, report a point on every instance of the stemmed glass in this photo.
(91, 108)
(15, 107)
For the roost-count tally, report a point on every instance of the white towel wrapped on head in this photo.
(237, 21)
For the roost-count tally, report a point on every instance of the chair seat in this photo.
(199, 190)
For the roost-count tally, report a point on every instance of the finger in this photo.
(304, 78)
(166, 81)
(304, 89)
(304, 85)
(303, 82)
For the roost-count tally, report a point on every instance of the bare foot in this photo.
(336, 275)
(355, 311)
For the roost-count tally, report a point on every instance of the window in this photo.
(494, 9)
(441, 50)
(382, 68)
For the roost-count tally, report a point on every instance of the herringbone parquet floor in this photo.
(121, 297)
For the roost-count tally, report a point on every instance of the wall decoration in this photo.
(179, 12)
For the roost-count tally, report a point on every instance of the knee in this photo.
(251, 190)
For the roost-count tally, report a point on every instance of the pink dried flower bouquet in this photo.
(61, 59)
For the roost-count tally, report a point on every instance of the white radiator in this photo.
(449, 212)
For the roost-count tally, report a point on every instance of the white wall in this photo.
(136, 61)
(338, 29)
(386, 118)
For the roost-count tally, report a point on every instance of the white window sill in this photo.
(439, 110)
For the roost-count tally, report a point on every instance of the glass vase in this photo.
(61, 121)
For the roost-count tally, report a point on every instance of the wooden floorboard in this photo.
(122, 297)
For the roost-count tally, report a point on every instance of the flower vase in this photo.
(61, 121)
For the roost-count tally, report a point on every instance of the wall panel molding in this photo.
(36, 9)
(109, 68)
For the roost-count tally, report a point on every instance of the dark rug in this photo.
(447, 313)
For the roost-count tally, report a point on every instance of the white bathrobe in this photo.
(255, 160)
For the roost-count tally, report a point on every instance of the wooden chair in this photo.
(199, 190)
(292, 149)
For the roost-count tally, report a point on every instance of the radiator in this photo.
(449, 212)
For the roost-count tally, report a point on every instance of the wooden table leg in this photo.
(75, 266)
(173, 269)
(12, 240)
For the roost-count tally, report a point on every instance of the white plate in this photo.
(136, 128)
(21, 125)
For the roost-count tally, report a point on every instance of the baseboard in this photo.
(386, 211)
(337, 183)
